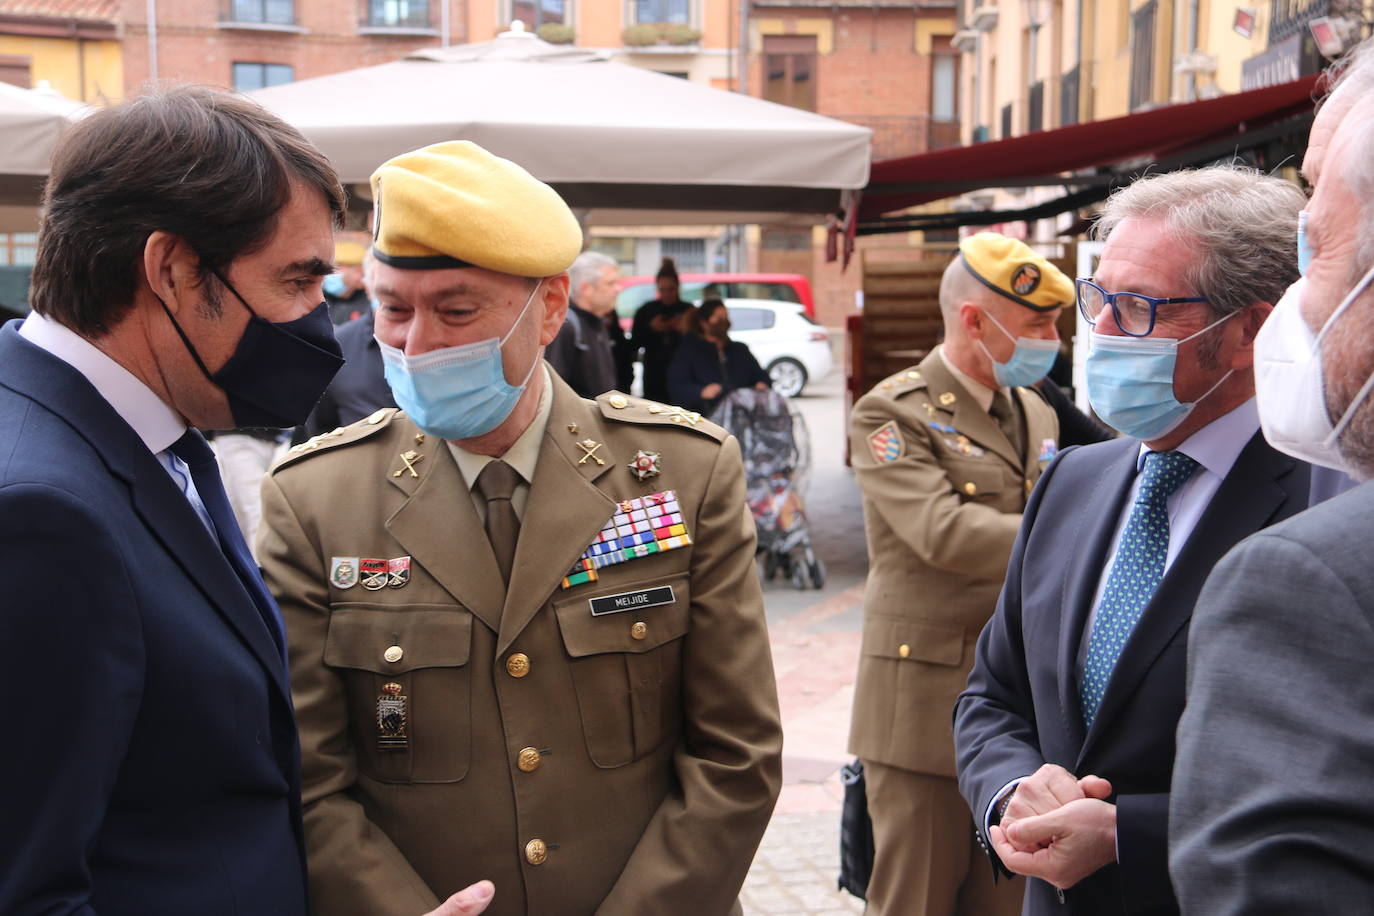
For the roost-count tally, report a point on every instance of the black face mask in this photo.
(277, 372)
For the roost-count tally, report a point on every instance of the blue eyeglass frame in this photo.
(1110, 299)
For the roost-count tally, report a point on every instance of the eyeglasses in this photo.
(1134, 312)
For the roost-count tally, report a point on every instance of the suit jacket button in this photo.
(536, 851)
(518, 665)
(393, 654)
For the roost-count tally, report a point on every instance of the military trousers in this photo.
(926, 860)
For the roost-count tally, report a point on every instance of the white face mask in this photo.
(1289, 387)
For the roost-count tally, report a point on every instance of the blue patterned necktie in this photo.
(1136, 573)
(200, 461)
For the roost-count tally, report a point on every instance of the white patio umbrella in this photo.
(31, 120)
(620, 141)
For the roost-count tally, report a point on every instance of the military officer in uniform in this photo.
(945, 453)
(527, 636)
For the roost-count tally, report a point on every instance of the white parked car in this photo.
(791, 347)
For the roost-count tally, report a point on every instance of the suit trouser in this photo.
(927, 861)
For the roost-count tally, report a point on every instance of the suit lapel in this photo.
(564, 512)
(47, 380)
(967, 417)
(450, 543)
(1088, 553)
(1248, 499)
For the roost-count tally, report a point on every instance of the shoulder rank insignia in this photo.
(1048, 449)
(639, 528)
(886, 443)
(343, 571)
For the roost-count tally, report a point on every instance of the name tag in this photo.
(632, 601)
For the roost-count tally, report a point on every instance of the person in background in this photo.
(1064, 736)
(1272, 809)
(583, 353)
(708, 364)
(946, 453)
(344, 289)
(657, 332)
(360, 388)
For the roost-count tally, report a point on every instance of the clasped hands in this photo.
(1057, 827)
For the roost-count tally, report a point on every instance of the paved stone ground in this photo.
(815, 637)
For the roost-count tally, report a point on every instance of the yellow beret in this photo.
(348, 254)
(454, 204)
(1011, 268)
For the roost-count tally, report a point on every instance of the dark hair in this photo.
(709, 307)
(667, 270)
(210, 167)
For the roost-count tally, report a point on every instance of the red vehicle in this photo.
(635, 291)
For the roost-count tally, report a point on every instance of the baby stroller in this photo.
(777, 456)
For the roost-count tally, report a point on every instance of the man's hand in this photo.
(469, 901)
(1048, 789)
(1068, 844)
(710, 391)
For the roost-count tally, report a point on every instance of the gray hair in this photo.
(1356, 77)
(1241, 222)
(586, 268)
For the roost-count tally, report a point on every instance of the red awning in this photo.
(896, 184)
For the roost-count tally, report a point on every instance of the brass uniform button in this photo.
(518, 665)
(904, 650)
(913, 375)
(970, 488)
(393, 654)
(1029, 486)
(536, 851)
(619, 403)
(639, 630)
(528, 760)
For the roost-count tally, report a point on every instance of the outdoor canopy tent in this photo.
(626, 144)
(31, 120)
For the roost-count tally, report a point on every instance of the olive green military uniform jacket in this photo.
(943, 492)
(610, 762)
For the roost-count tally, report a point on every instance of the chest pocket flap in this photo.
(364, 636)
(639, 628)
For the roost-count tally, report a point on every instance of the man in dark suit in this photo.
(583, 353)
(153, 763)
(1271, 810)
(1065, 734)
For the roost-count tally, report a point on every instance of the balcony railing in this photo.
(1289, 17)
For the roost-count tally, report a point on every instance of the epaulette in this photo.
(627, 409)
(900, 383)
(344, 435)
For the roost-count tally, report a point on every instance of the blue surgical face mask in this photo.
(1131, 383)
(334, 285)
(1304, 250)
(1030, 361)
(457, 392)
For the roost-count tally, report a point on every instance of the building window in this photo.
(1006, 120)
(944, 87)
(250, 76)
(408, 14)
(18, 248)
(534, 13)
(1143, 55)
(789, 65)
(668, 12)
(268, 12)
(689, 255)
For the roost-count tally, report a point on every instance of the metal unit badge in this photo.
(391, 719)
(373, 573)
(646, 465)
(640, 527)
(398, 572)
(343, 572)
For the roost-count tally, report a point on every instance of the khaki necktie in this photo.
(1007, 420)
(497, 483)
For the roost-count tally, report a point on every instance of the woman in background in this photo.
(708, 364)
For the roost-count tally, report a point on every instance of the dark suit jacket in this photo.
(1021, 707)
(582, 353)
(1272, 811)
(151, 764)
(359, 389)
(697, 363)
